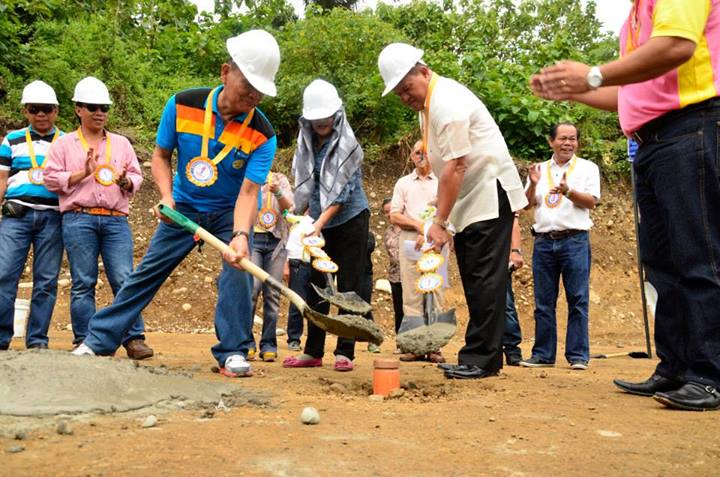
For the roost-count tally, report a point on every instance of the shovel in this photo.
(346, 326)
(349, 301)
(632, 354)
(421, 335)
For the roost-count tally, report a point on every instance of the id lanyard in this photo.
(201, 170)
(426, 113)
(104, 173)
(267, 217)
(35, 174)
(633, 32)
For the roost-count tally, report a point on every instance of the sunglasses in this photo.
(36, 108)
(94, 107)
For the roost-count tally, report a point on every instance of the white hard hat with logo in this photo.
(257, 54)
(38, 92)
(320, 100)
(91, 90)
(395, 61)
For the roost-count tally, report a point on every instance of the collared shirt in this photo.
(584, 177)
(15, 158)
(280, 229)
(352, 197)
(67, 155)
(460, 125)
(694, 81)
(412, 193)
(391, 240)
(181, 128)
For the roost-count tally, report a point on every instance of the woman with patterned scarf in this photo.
(328, 184)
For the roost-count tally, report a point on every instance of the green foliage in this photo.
(146, 50)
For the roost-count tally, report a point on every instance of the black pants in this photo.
(396, 289)
(482, 250)
(347, 246)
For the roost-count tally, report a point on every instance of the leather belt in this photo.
(558, 234)
(646, 133)
(98, 211)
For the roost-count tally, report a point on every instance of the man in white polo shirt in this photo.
(563, 190)
(478, 190)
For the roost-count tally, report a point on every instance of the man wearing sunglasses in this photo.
(225, 147)
(29, 217)
(95, 173)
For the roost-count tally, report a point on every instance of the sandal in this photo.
(296, 362)
(343, 364)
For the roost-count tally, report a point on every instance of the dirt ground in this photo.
(523, 422)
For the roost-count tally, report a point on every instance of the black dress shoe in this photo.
(691, 397)
(468, 372)
(447, 366)
(513, 359)
(655, 384)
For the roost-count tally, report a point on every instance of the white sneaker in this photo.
(237, 364)
(83, 350)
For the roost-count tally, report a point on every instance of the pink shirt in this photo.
(692, 82)
(412, 194)
(67, 155)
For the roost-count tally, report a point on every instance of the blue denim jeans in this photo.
(570, 258)
(677, 173)
(266, 255)
(88, 237)
(42, 230)
(513, 336)
(169, 246)
(299, 283)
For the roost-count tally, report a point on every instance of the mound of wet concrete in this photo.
(48, 383)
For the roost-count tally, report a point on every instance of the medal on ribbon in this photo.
(268, 218)
(201, 170)
(428, 282)
(104, 173)
(325, 265)
(36, 172)
(554, 200)
(317, 252)
(313, 241)
(429, 262)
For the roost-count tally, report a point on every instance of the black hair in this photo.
(554, 129)
(386, 201)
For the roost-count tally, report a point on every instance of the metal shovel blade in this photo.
(424, 334)
(346, 326)
(349, 301)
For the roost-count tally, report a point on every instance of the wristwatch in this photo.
(238, 233)
(594, 78)
(516, 250)
(442, 223)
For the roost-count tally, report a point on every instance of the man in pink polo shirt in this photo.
(666, 88)
(94, 173)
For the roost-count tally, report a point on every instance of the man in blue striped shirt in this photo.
(30, 216)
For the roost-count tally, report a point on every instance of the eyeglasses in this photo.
(37, 108)
(94, 107)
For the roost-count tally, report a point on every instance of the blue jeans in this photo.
(266, 255)
(513, 336)
(42, 230)
(299, 283)
(570, 258)
(169, 246)
(677, 173)
(88, 237)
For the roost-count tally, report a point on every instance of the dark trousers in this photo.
(512, 337)
(677, 171)
(482, 250)
(397, 291)
(346, 245)
(299, 283)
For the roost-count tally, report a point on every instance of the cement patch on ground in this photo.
(49, 383)
(425, 339)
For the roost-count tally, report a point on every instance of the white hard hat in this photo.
(395, 61)
(91, 90)
(257, 54)
(320, 100)
(38, 92)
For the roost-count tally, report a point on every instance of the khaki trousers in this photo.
(409, 274)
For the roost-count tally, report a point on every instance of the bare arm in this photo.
(3, 184)
(405, 222)
(243, 219)
(450, 181)
(161, 169)
(326, 216)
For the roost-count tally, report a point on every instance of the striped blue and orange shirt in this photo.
(181, 128)
(15, 158)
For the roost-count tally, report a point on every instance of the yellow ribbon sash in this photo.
(35, 174)
(104, 173)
